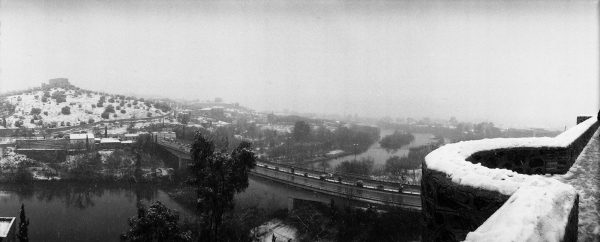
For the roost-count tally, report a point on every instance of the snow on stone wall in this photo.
(451, 168)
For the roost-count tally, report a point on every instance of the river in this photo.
(379, 154)
(82, 212)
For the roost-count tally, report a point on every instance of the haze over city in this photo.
(518, 64)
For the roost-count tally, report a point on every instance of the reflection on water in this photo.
(74, 212)
(87, 212)
(380, 155)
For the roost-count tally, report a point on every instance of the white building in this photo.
(81, 141)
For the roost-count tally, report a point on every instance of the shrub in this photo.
(35, 111)
(32, 120)
(111, 100)
(59, 96)
(109, 109)
(135, 102)
(149, 114)
(68, 123)
(66, 110)
(105, 115)
(122, 103)
(123, 111)
(79, 105)
(118, 108)
(100, 104)
(114, 115)
(46, 113)
(93, 105)
(18, 123)
(62, 123)
(90, 121)
(44, 99)
(129, 105)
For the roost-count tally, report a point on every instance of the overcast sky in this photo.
(516, 63)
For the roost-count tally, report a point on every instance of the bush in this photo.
(148, 114)
(118, 108)
(122, 103)
(93, 105)
(62, 123)
(59, 96)
(115, 115)
(362, 167)
(105, 115)
(66, 110)
(135, 102)
(100, 104)
(68, 123)
(109, 109)
(129, 105)
(111, 100)
(123, 111)
(46, 113)
(90, 121)
(44, 99)
(35, 111)
(32, 120)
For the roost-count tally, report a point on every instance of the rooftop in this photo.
(109, 140)
(81, 136)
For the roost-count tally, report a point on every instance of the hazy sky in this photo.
(516, 63)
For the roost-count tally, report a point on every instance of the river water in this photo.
(379, 154)
(83, 212)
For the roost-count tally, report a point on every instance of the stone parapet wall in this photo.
(535, 160)
(450, 211)
(460, 192)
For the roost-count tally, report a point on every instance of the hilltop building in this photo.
(57, 82)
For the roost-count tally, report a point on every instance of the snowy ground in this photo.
(282, 232)
(80, 106)
(584, 176)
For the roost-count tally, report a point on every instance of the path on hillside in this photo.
(584, 175)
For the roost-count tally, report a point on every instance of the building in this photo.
(131, 137)
(57, 82)
(163, 135)
(7, 230)
(81, 141)
(109, 143)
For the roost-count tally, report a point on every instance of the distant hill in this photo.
(70, 106)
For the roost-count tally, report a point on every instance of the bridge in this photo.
(347, 186)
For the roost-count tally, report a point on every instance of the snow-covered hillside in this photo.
(82, 108)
